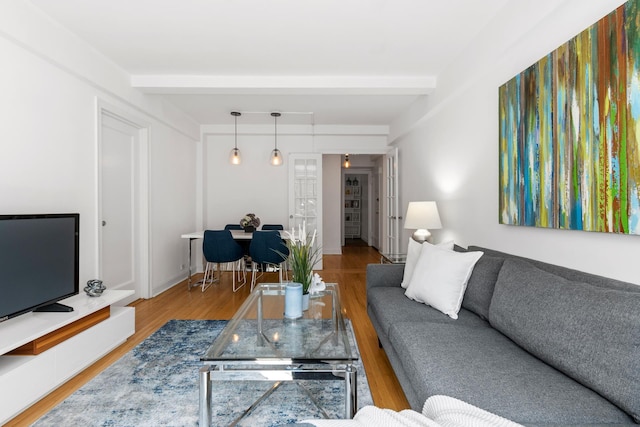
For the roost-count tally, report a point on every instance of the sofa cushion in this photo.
(440, 278)
(477, 297)
(590, 333)
(567, 273)
(413, 254)
(484, 368)
(389, 306)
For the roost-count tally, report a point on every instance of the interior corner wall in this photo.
(451, 155)
(49, 158)
(253, 186)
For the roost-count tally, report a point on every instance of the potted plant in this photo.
(303, 256)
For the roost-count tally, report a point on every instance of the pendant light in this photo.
(347, 163)
(234, 157)
(276, 155)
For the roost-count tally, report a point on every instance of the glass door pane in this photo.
(305, 194)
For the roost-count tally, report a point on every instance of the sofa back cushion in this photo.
(477, 297)
(567, 273)
(590, 333)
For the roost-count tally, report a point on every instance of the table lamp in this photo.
(421, 216)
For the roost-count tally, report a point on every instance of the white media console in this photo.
(25, 379)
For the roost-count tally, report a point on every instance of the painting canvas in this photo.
(569, 129)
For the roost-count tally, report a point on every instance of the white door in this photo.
(305, 195)
(119, 147)
(391, 207)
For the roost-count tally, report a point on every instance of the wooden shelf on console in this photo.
(28, 327)
(54, 338)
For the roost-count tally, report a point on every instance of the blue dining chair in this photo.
(278, 227)
(267, 227)
(243, 244)
(267, 249)
(218, 247)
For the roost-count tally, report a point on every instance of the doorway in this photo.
(361, 201)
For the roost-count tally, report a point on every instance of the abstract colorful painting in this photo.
(569, 129)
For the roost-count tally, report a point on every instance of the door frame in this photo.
(385, 244)
(368, 171)
(142, 220)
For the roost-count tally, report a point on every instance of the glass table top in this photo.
(259, 331)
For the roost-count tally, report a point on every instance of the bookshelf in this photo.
(352, 207)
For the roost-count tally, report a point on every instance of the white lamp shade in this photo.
(422, 215)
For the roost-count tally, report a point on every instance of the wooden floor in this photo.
(219, 302)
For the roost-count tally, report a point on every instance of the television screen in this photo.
(39, 261)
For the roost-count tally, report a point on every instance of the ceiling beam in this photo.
(285, 85)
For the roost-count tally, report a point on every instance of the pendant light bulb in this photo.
(347, 163)
(234, 157)
(276, 155)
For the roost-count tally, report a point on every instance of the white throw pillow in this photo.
(413, 253)
(440, 278)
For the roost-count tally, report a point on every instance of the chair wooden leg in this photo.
(207, 271)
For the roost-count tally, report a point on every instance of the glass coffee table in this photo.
(259, 344)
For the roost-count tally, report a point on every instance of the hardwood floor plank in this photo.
(219, 302)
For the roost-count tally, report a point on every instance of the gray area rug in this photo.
(156, 384)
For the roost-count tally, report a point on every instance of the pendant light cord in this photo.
(235, 133)
(275, 127)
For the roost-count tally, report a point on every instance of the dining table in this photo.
(238, 235)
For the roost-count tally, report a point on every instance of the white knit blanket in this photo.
(438, 411)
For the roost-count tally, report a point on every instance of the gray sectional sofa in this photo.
(536, 343)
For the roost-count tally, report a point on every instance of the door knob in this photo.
(104, 223)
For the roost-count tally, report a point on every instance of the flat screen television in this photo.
(39, 262)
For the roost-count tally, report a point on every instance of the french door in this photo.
(391, 208)
(305, 195)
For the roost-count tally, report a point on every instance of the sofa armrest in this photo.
(384, 275)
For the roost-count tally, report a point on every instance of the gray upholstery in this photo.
(567, 273)
(586, 333)
(413, 311)
(484, 368)
(477, 297)
(536, 309)
(390, 275)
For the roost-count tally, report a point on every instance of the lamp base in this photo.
(421, 235)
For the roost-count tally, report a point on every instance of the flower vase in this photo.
(305, 302)
(293, 300)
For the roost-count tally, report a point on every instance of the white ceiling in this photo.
(347, 61)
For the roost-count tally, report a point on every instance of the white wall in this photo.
(254, 186)
(451, 154)
(331, 203)
(50, 83)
